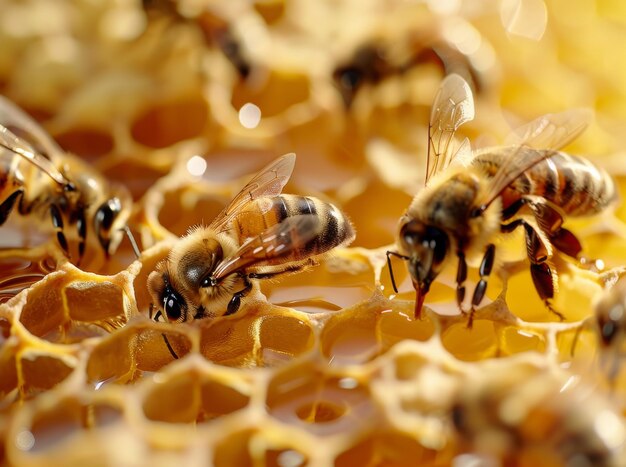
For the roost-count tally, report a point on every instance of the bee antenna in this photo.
(393, 280)
(132, 241)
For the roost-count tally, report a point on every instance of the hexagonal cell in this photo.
(305, 397)
(154, 349)
(390, 449)
(89, 143)
(44, 311)
(477, 343)
(514, 340)
(191, 397)
(283, 337)
(251, 447)
(189, 206)
(92, 301)
(112, 358)
(350, 338)
(41, 372)
(230, 341)
(170, 122)
(394, 326)
(58, 427)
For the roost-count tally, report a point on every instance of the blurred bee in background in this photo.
(378, 59)
(260, 235)
(532, 417)
(609, 323)
(39, 179)
(216, 30)
(495, 190)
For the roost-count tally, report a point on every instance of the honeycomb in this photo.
(328, 366)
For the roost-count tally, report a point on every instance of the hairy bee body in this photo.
(471, 197)
(334, 225)
(570, 182)
(261, 234)
(533, 417)
(39, 179)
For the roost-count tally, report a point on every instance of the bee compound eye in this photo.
(173, 306)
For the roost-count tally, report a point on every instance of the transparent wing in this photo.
(268, 182)
(551, 131)
(452, 107)
(536, 141)
(35, 145)
(282, 243)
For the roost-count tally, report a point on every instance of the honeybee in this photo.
(496, 190)
(39, 179)
(260, 235)
(396, 53)
(609, 322)
(532, 417)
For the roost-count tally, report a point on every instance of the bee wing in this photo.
(551, 131)
(36, 146)
(268, 182)
(452, 107)
(273, 245)
(536, 141)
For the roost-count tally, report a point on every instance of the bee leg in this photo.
(81, 226)
(544, 278)
(235, 302)
(461, 275)
(484, 270)
(550, 221)
(8, 204)
(57, 222)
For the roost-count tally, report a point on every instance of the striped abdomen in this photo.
(573, 183)
(322, 228)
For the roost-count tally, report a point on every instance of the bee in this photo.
(40, 180)
(609, 323)
(532, 417)
(529, 184)
(379, 58)
(260, 235)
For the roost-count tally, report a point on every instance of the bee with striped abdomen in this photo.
(39, 179)
(530, 416)
(261, 234)
(529, 184)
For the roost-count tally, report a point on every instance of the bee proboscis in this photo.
(471, 197)
(39, 179)
(261, 234)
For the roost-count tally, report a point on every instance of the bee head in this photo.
(179, 284)
(170, 303)
(427, 248)
(110, 219)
